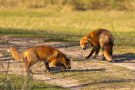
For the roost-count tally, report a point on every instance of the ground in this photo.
(84, 73)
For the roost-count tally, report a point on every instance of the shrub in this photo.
(76, 4)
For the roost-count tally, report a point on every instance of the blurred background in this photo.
(71, 4)
(68, 20)
(25, 23)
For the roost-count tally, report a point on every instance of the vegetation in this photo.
(70, 4)
(67, 26)
(69, 20)
(101, 75)
(18, 81)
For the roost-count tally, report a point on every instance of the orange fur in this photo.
(99, 38)
(15, 53)
(42, 53)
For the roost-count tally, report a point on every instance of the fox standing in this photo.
(41, 53)
(100, 38)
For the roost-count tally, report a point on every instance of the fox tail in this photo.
(108, 53)
(15, 53)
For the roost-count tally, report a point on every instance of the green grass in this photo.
(67, 26)
(71, 26)
(18, 81)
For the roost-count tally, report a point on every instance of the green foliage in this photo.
(67, 26)
(14, 82)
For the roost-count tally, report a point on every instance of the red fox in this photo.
(41, 53)
(100, 38)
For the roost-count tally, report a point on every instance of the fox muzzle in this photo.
(84, 48)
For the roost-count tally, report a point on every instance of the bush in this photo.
(76, 4)
(102, 4)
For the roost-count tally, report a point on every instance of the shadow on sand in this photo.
(104, 82)
(124, 58)
(58, 70)
(86, 70)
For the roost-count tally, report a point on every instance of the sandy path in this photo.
(70, 49)
(22, 44)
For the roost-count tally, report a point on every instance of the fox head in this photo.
(84, 42)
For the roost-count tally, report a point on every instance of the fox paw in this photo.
(94, 57)
(48, 71)
(103, 59)
(63, 69)
(112, 61)
(87, 57)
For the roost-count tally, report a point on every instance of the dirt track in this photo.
(72, 50)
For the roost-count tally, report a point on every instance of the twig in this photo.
(8, 82)
(10, 62)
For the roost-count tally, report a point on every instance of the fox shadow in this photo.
(86, 70)
(103, 82)
(56, 70)
(124, 58)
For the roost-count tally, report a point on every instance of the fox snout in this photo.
(84, 48)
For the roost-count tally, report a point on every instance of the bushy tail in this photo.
(107, 53)
(15, 53)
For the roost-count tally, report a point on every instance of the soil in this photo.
(71, 49)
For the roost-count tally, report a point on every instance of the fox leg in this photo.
(111, 50)
(55, 63)
(47, 66)
(28, 64)
(92, 51)
(102, 56)
(97, 52)
(63, 67)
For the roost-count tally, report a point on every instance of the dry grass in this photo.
(75, 4)
(91, 74)
(71, 26)
(18, 81)
(67, 26)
